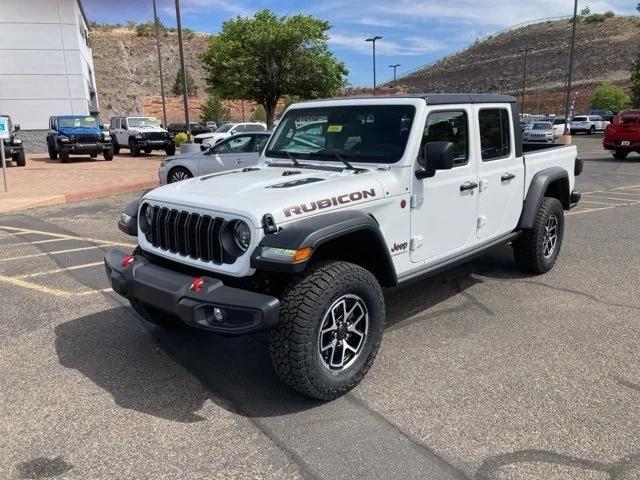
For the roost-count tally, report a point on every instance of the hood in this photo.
(287, 193)
(67, 131)
(149, 129)
(206, 135)
(184, 156)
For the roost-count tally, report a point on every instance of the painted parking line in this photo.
(37, 242)
(25, 231)
(58, 252)
(60, 270)
(615, 199)
(598, 203)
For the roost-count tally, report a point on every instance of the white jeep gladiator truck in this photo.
(389, 189)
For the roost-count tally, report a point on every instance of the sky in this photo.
(415, 32)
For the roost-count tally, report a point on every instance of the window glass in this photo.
(224, 128)
(238, 129)
(69, 122)
(449, 126)
(254, 127)
(580, 119)
(240, 144)
(495, 133)
(260, 142)
(358, 133)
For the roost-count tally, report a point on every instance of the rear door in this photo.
(501, 172)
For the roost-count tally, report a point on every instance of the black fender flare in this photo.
(319, 230)
(537, 189)
(130, 227)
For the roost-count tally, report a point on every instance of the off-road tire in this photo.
(148, 150)
(93, 155)
(528, 248)
(20, 159)
(133, 148)
(592, 130)
(64, 156)
(293, 343)
(177, 174)
(108, 154)
(53, 154)
(116, 147)
(170, 151)
(620, 154)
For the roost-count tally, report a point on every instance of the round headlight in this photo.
(146, 217)
(148, 214)
(242, 235)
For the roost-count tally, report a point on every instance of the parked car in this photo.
(539, 132)
(13, 149)
(196, 128)
(607, 115)
(140, 134)
(623, 135)
(303, 243)
(77, 135)
(213, 126)
(589, 124)
(228, 129)
(242, 150)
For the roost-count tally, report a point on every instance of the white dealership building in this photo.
(46, 65)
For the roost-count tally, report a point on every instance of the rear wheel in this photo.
(592, 130)
(20, 159)
(170, 151)
(93, 155)
(116, 147)
(537, 249)
(331, 323)
(620, 154)
(177, 174)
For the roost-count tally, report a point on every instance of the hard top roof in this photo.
(435, 98)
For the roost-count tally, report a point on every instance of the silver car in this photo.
(539, 132)
(242, 150)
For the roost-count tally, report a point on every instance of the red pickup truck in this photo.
(623, 135)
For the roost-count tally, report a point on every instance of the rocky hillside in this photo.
(604, 51)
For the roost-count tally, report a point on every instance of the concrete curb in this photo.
(19, 204)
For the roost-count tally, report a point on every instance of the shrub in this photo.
(180, 138)
(609, 14)
(595, 18)
(609, 97)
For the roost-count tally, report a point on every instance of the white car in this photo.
(539, 132)
(242, 150)
(391, 189)
(588, 124)
(228, 129)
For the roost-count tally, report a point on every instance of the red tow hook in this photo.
(197, 284)
(128, 260)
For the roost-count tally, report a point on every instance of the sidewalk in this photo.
(49, 182)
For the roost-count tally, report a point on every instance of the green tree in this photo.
(192, 90)
(635, 81)
(213, 110)
(585, 11)
(638, 7)
(609, 97)
(266, 57)
(259, 115)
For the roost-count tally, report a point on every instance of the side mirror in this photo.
(203, 148)
(16, 127)
(102, 127)
(435, 156)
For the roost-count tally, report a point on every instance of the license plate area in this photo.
(625, 143)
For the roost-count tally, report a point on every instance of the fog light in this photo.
(214, 315)
(218, 314)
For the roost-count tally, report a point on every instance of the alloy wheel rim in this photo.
(343, 332)
(179, 176)
(550, 236)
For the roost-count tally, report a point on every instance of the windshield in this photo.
(138, 122)
(70, 122)
(361, 133)
(224, 128)
(579, 119)
(541, 126)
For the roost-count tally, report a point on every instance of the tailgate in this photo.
(623, 131)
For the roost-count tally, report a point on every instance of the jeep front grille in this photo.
(156, 136)
(189, 234)
(86, 138)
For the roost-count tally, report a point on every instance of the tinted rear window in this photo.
(579, 119)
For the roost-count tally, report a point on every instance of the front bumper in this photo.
(170, 291)
(10, 150)
(155, 144)
(83, 148)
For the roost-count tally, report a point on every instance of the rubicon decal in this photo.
(329, 202)
(399, 247)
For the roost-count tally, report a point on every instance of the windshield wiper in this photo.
(295, 161)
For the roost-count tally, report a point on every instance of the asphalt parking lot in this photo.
(484, 373)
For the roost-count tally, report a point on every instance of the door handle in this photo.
(507, 176)
(239, 161)
(468, 186)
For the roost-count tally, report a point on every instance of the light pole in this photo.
(185, 92)
(546, 75)
(394, 66)
(502, 81)
(157, 21)
(373, 41)
(569, 77)
(524, 50)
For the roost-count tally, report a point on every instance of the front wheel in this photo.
(170, 151)
(53, 154)
(108, 154)
(592, 130)
(64, 156)
(537, 249)
(177, 174)
(620, 154)
(20, 159)
(133, 148)
(331, 324)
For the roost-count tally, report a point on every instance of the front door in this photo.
(444, 207)
(501, 173)
(231, 153)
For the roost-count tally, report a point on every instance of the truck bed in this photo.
(537, 157)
